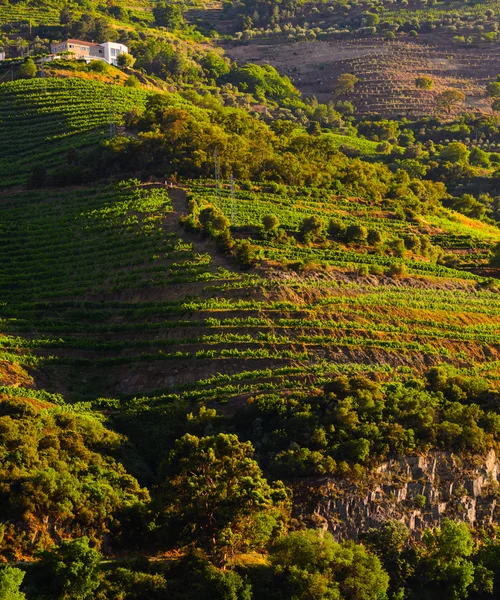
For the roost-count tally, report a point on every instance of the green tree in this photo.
(310, 564)
(345, 85)
(125, 60)
(454, 152)
(72, 569)
(215, 496)
(169, 15)
(448, 99)
(371, 19)
(213, 220)
(214, 65)
(28, 69)
(270, 224)
(479, 157)
(132, 81)
(445, 569)
(356, 233)
(424, 83)
(312, 229)
(495, 258)
(389, 542)
(10, 582)
(66, 15)
(493, 89)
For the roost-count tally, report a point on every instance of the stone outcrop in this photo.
(418, 490)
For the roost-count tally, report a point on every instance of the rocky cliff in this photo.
(418, 490)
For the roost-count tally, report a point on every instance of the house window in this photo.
(71, 45)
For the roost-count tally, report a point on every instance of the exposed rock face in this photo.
(419, 490)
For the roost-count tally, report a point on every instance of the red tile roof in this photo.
(78, 42)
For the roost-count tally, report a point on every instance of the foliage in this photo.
(168, 14)
(63, 466)
(71, 569)
(215, 495)
(11, 579)
(448, 99)
(311, 564)
(28, 69)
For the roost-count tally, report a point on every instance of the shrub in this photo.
(397, 271)
(125, 60)
(246, 255)
(399, 248)
(424, 83)
(356, 233)
(312, 229)
(374, 237)
(28, 69)
(478, 157)
(270, 224)
(377, 270)
(212, 220)
(98, 66)
(420, 500)
(132, 81)
(336, 229)
(454, 152)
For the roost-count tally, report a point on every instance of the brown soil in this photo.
(387, 70)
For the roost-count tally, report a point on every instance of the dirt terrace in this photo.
(387, 70)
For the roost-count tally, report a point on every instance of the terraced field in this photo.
(449, 230)
(102, 294)
(386, 70)
(44, 118)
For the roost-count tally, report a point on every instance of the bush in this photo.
(212, 220)
(246, 255)
(397, 271)
(28, 69)
(270, 224)
(424, 83)
(454, 152)
(374, 237)
(98, 66)
(356, 233)
(377, 270)
(312, 229)
(336, 229)
(132, 81)
(125, 60)
(478, 157)
(420, 501)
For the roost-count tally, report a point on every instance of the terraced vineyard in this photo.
(101, 293)
(43, 118)
(26, 14)
(449, 230)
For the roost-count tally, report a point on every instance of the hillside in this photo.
(249, 337)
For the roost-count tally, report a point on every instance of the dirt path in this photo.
(201, 245)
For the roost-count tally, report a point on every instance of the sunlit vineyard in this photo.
(448, 230)
(99, 282)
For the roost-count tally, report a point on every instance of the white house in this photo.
(108, 51)
(112, 51)
(2, 55)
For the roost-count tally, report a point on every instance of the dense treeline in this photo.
(181, 140)
(212, 501)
